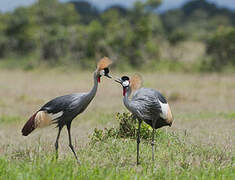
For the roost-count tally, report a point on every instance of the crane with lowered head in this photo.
(146, 105)
(62, 110)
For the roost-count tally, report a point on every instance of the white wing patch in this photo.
(56, 115)
(44, 119)
(165, 108)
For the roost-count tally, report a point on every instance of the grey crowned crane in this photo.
(146, 105)
(62, 110)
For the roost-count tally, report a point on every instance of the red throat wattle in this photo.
(124, 91)
(98, 79)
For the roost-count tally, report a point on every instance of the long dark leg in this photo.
(152, 143)
(70, 142)
(138, 142)
(57, 142)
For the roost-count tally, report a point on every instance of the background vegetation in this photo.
(197, 37)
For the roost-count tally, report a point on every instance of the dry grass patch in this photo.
(197, 102)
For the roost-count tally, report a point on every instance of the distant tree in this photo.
(221, 48)
(197, 18)
(172, 20)
(195, 5)
(152, 4)
(55, 20)
(3, 37)
(120, 9)
(20, 31)
(54, 43)
(142, 45)
(176, 37)
(96, 34)
(54, 12)
(86, 10)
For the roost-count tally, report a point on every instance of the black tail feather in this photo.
(160, 123)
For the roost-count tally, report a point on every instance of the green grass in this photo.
(113, 158)
(6, 119)
(230, 115)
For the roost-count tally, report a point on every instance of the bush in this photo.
(128, 127)
(221, 48)
(176, 37)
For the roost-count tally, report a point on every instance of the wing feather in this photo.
(151, 105)
(146, 102)
(59, 104)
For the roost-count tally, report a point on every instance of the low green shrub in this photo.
(127, 128)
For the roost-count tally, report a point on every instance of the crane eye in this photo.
(125, 83)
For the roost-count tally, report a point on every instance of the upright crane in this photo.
(146, 105)
(62, 110)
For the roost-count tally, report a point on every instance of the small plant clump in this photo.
(101, 135)
(128, 126)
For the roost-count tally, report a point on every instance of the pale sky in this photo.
(9, 5)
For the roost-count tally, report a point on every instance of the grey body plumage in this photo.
(146, 105)
(71, 105)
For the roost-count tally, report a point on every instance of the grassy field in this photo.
(199, 145)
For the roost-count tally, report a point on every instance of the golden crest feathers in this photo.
(103, 63)
(136, 82)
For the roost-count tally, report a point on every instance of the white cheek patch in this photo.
(164, 108)
(102, 72)
(125, 83)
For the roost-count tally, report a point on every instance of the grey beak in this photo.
(107, 75)
(118, 81)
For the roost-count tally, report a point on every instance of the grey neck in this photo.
(92, 92)
(126, 100)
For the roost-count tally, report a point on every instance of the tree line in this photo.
(76, 32)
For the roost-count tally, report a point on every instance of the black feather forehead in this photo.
(106, 70)
(125, 78)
